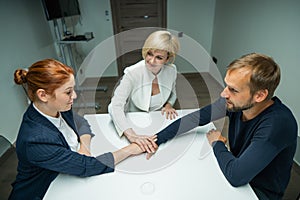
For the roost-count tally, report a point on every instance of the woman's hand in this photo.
(146, 143)
(134, 149)
(171, 113)
(85, 141)
(84, 151)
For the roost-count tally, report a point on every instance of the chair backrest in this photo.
(4, 145)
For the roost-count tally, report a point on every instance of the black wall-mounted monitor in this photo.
(55, 9)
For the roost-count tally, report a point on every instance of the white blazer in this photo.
(134, 92)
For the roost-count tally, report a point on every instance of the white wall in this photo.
(194, 19)
(96, 18)
(271, 27)
(25, 38)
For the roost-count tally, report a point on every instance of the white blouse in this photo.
(68, 133)
(155, 102)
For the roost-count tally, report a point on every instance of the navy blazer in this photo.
(43, 153)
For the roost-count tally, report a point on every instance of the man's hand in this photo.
(214, 135)
(149, 155)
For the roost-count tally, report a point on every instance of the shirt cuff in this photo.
(108, 160)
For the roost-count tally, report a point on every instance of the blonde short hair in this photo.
(162, 40)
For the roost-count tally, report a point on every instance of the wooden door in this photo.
(133, 21)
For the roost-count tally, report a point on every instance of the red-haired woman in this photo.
(52, 139)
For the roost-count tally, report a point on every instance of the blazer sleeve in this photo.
(186, 123)
(51, 154)
(118, 103)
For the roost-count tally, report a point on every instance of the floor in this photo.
(193, 91)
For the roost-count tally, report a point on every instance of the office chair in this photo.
(5, 146)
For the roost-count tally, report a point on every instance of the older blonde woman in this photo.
(148, 85)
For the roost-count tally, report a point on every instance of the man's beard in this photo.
(240, 108)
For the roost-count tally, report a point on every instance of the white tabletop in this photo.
(183, 168)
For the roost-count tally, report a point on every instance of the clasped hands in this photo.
(147, 143)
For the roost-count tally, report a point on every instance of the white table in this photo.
(183, 168)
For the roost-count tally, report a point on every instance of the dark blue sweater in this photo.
(43, 153)
(261, 149)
